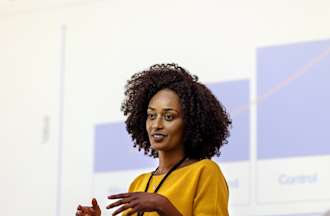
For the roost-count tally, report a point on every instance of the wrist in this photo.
(162, 205)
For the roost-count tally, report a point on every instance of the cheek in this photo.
(178, 131)
(147, 126)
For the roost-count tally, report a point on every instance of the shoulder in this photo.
(136, 184)
(211, 174)
(140, 178)
(209, 169)
(203, 167)
(208, 165)
(208, 162)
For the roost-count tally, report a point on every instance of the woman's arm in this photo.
(143, 202)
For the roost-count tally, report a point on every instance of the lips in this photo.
(158, 137)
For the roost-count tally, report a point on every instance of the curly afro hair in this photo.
(206, 123)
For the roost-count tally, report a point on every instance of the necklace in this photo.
(163, 179)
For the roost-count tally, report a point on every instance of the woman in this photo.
(173, 117)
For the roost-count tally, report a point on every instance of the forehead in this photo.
(165, 98)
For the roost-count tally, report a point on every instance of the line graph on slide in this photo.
(297, 104)
(292, 118)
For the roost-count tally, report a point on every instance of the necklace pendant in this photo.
(163, 178)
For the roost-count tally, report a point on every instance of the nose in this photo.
(158, 123)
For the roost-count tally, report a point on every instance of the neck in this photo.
(168, 159)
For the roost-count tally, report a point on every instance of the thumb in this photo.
(95, 204)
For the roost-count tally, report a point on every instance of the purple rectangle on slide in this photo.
(293, 83)
(114, 150)
(235, 96)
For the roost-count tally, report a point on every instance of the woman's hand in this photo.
(139, 202)
(93, 210)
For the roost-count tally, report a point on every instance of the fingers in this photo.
(125, 199)
(123, 208)
(120, 202)
(84, 211)
(124, 203)
(128, 201)
(80, 213)
(118, 196)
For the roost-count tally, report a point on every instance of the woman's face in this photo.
(165, 121)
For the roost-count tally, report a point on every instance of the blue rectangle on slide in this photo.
(114, 150)
(293, 85)
(114, 147)
(235, 96)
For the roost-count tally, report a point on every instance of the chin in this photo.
(158, 146)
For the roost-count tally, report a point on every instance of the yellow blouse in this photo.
(198, 189)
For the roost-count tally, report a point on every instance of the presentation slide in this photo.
(64, 66)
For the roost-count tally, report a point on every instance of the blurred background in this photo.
(64, 64)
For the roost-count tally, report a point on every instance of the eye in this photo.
(151, 116)
(168, 117)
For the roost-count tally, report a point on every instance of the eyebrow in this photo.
(166, 109)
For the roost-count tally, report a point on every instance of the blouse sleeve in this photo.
(212, 193)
